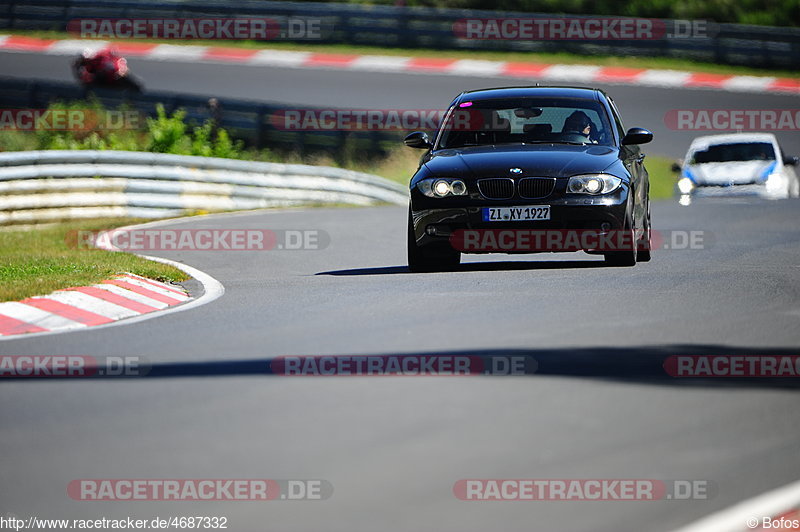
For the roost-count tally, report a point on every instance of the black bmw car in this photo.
(529, 169)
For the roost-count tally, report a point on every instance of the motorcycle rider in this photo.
(94, 66)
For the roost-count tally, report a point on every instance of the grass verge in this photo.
(662, 178)
(668, 63)
(36, 261)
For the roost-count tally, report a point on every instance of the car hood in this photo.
(561, 160)
(730, 173)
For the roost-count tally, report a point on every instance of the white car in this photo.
(738, 164)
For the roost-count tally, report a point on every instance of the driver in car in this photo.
(579, 123)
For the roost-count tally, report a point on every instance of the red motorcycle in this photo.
(105, 68)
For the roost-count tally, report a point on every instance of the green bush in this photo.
(167, 134)
(206, 144)
(224, 147)
(163, 133)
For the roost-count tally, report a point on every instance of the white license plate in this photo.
(516, 214)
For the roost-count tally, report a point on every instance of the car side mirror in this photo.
(637, 135)
(418, 139)
(790, 160)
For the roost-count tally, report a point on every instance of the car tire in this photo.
(644, 252)
(624, 258)
(430, 258)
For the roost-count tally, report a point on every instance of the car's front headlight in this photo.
(685, 185)
(439, 187)
(775, 183)
(593, 184)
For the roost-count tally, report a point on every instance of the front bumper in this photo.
(749, 190)
(437, 226)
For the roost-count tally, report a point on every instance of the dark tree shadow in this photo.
(654, 365)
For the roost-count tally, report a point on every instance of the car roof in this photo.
(529, 92)
(702, 142)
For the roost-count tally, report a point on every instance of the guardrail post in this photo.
(260, 127)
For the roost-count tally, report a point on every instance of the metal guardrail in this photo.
(42, 186)
(774, 47)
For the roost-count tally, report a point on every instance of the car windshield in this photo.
(740, 151)
(526, 120)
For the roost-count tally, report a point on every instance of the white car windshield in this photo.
(741, 151)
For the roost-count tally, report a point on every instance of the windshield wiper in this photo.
(557, 142)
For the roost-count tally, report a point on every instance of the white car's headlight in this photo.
(593, 184)
(775, 182)
(439, 187)
(685, 185)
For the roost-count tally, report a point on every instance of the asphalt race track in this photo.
(393, 447)
(599, 406)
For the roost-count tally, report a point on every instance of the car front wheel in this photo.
(646, 244)
(625, 257)
(430, 258)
